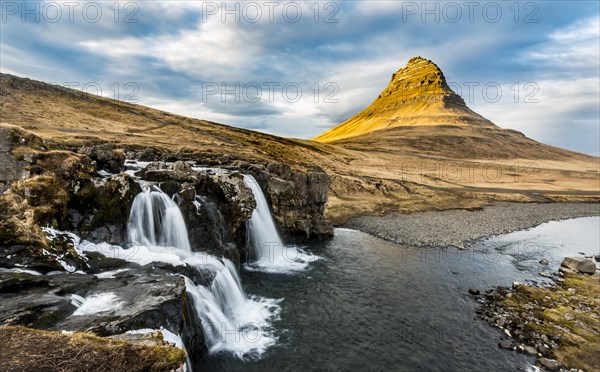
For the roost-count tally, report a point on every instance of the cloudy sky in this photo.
(298, 68)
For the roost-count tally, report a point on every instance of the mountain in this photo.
(417, 95)
(418, 113)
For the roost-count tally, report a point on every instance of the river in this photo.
(371, 305)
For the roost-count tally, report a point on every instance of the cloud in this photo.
(570, 49)
(173, 49)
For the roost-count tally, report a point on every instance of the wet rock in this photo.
(474, 292)
(546, 274)
(39, 301)
(99, 208)
(506, 345)
(597, 258)
(543, 350)
(147, 297)
(16, 282)
(544, 261)
(580, 264)
(169, 187)
(549, 364)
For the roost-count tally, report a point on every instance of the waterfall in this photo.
(232, 321)
(269, 251)
(156, 221)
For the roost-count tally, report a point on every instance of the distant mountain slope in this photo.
(72, 117)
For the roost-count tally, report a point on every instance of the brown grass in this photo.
(25, 349)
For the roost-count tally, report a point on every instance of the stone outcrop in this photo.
(99, 208)
(297, 198)
(105, 156)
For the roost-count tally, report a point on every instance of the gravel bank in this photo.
(459, 227)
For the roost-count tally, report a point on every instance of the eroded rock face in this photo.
(106, 156)
(297, 198)
(99, 208)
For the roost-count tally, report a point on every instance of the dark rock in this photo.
(544, 261)
(474, 291)
(549, 364)
(543, 350)
(39, 301)
(99, 208)
(506, 344)
(169, 187)
(298, 200)
(98, 262)
(597, 258)
(16, 282)
(579, 264)
(106, 156)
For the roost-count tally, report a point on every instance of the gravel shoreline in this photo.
(460, 227)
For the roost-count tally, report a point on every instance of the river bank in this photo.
(460, 227)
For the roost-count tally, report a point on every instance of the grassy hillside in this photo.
(398, 169)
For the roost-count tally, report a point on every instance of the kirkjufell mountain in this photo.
(417, 95)
(419, 113)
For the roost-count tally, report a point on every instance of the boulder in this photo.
(579, 264)
(142, 297)
(106, 156)
(548, 364)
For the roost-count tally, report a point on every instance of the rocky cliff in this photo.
(83, 190)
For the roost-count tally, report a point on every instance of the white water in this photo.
(233, 322)
(227, 313)
(156, 221)
(270, 253)
(96, 303)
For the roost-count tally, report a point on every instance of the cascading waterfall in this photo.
(269, 251)
(231, 320)
(156, 221)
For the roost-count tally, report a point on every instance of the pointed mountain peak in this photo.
(419, 78)
(417, 95)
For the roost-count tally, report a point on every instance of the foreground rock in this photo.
(559, 324)
(148, 297)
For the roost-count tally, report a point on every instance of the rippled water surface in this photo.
(372, 305)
